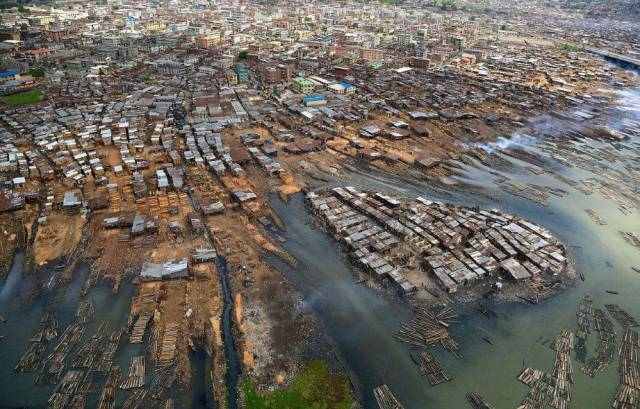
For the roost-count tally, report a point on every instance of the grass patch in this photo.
(314, 388)
(24, 98)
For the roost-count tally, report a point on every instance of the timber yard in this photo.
(249, 204)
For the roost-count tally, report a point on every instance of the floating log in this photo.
(107, 398)
(429, 328)
(78, 402)
(85, 312)
(65, 390)
(135, 400)
(34, 353)
(385, 398)
(163, 381)
(621, 316)
(552, 388)
(106, 360)
(477, 402)
(628, 392)
(606, 348)
(135, 379)
(432, 369)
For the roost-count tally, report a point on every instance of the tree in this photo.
(572, 48)
(242, 55)
(36, 72)
(446, 4)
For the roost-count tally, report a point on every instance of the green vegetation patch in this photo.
(446, 4)
(36, 72)
(569, 47)
(314, 388)
(23, 98)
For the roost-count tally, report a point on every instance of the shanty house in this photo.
(165, 271)
(71, 202)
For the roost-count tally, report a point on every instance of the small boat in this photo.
(433, 292)
(415, 359)
(636, 269)
(529, 300)
(483, 310)
(487, 340)
(582, 276)
(612, 292)
(488, 312)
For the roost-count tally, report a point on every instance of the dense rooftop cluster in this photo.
(450, 245)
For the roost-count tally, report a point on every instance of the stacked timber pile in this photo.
(168, 347)
(529, 376)
(154, 342)
(137, 333)
(477, 401)
(385, 398)
(135, 379)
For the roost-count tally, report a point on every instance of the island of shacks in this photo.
(319, 204)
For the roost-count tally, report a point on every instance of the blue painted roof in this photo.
(313, 97)
(346, 84)
(8, 73)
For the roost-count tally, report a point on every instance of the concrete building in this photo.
(303, 85)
